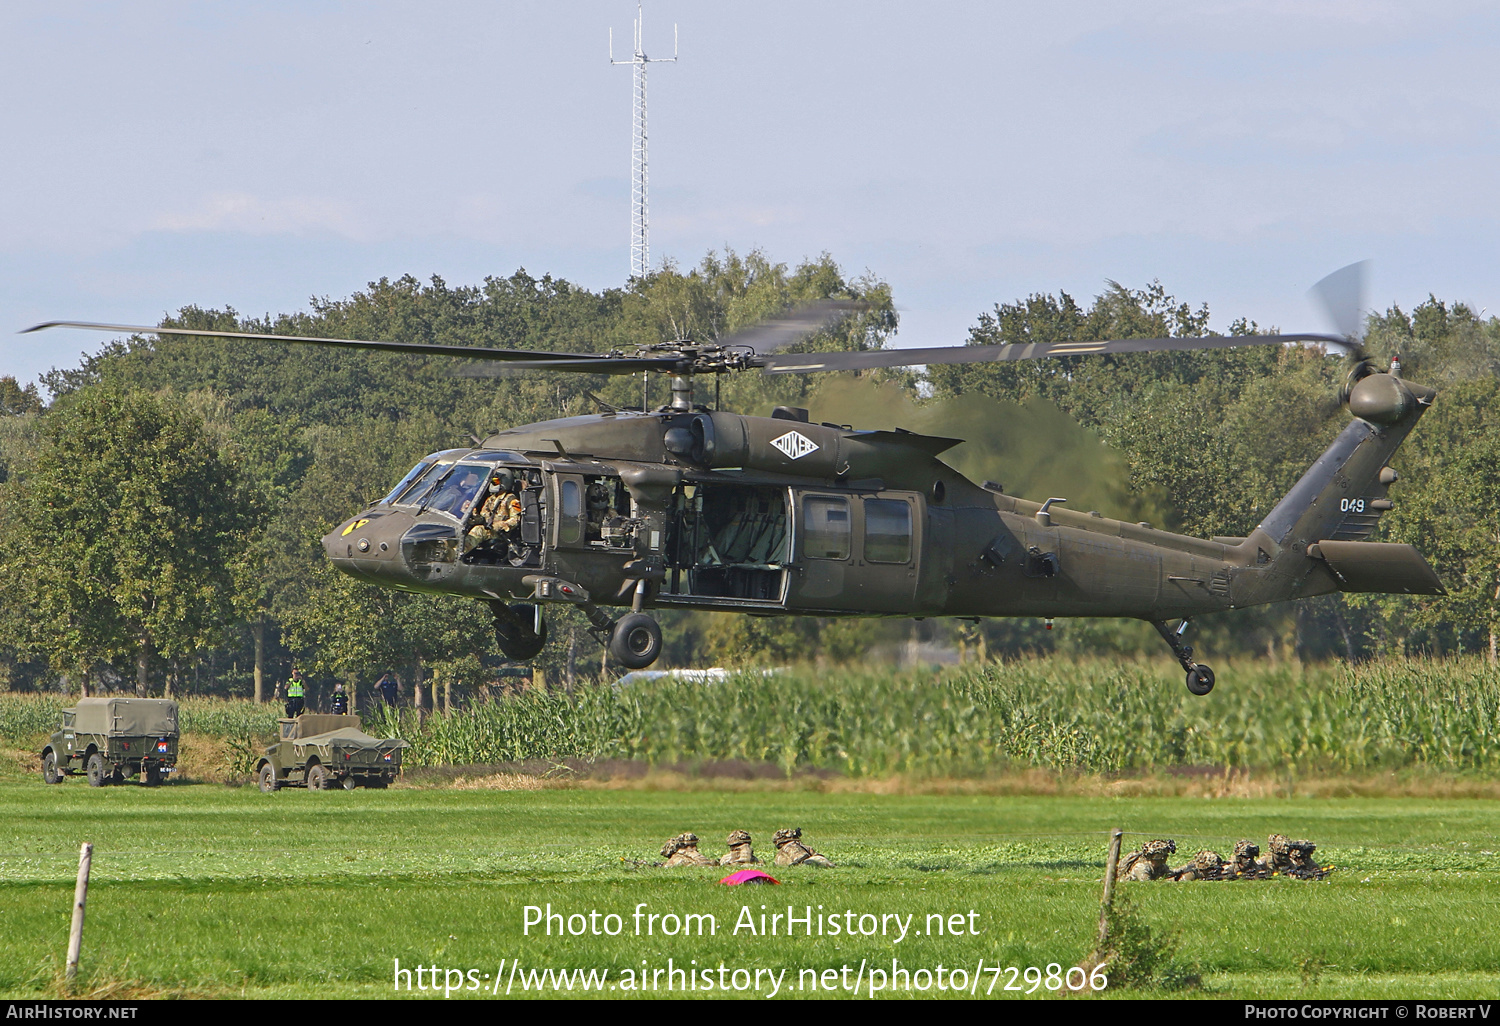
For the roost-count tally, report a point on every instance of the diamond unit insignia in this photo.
(795, 444)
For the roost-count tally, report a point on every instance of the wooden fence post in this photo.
(80, 898)
(1110, 868)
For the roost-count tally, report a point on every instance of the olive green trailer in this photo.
(318, 750)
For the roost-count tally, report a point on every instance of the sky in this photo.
(257, 155)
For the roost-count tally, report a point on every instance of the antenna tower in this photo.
(640, 245)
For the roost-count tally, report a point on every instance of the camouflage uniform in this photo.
(790, 851)
(1276, 859)
(740, 853)
(500, 515)
(1149, 862)
(1245, 864)
(682, 850)
(1302, 866)
(1206, 865)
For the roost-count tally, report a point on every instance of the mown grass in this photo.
(203, 889)
(1096, 717)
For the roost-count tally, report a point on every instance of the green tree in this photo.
(126, 522)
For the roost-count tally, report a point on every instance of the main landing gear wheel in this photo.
(1200, 679)
(317, 778)
(98, 777)
(266, 778)
(635, 641)
(515, 631)
(49, 769)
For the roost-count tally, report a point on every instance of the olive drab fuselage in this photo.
(776, 515)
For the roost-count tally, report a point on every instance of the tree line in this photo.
(161, 509)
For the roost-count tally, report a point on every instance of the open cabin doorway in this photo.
(728, 540)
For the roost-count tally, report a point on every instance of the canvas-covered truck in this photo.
(109, 739)
(319, 750)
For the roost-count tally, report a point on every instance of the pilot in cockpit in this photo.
(498, 516)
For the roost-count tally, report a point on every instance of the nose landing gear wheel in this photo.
(516, 633)
(1200, 679)
(635, 641)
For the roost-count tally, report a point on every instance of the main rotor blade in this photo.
(792, 327)
(582, 365)
(808, 363)
(429, 349)
(1342, 296)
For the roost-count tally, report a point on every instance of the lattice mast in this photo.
(640, 221)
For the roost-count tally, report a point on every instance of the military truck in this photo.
(318, 750)
(110, 739)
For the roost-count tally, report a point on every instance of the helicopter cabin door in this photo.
(857, 552)
(727, 544)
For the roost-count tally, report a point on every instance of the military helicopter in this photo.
(687, 507)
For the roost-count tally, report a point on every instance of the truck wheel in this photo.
(317, 778)
(267, 778)
(151, 775)
(49, 769)
(96, 771)
(349, 782)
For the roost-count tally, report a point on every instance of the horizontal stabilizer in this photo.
(1379, 567)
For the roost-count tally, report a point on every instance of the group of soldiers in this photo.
(682, 850)
(1283, 857)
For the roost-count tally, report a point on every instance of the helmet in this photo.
(504, 480)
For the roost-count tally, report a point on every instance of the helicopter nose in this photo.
(367, 547)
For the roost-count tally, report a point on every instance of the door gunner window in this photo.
(570, 526)
(825, 534)
(887, 531)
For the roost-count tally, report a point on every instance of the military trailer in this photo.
(318, 750)
(110, 739)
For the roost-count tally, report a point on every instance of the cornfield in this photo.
(1090, 716)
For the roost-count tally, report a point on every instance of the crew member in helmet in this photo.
(500, 514)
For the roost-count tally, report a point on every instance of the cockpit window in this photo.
(455, 495)
(416, 472)
(421, 484)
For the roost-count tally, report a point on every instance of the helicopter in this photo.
(689, 507)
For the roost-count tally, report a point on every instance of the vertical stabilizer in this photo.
(1340, 497)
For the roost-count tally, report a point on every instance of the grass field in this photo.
(212, 890)
(987, 791)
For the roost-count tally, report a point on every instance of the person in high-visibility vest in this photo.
(294, 695)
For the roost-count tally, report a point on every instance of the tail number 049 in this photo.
(1351, 505)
